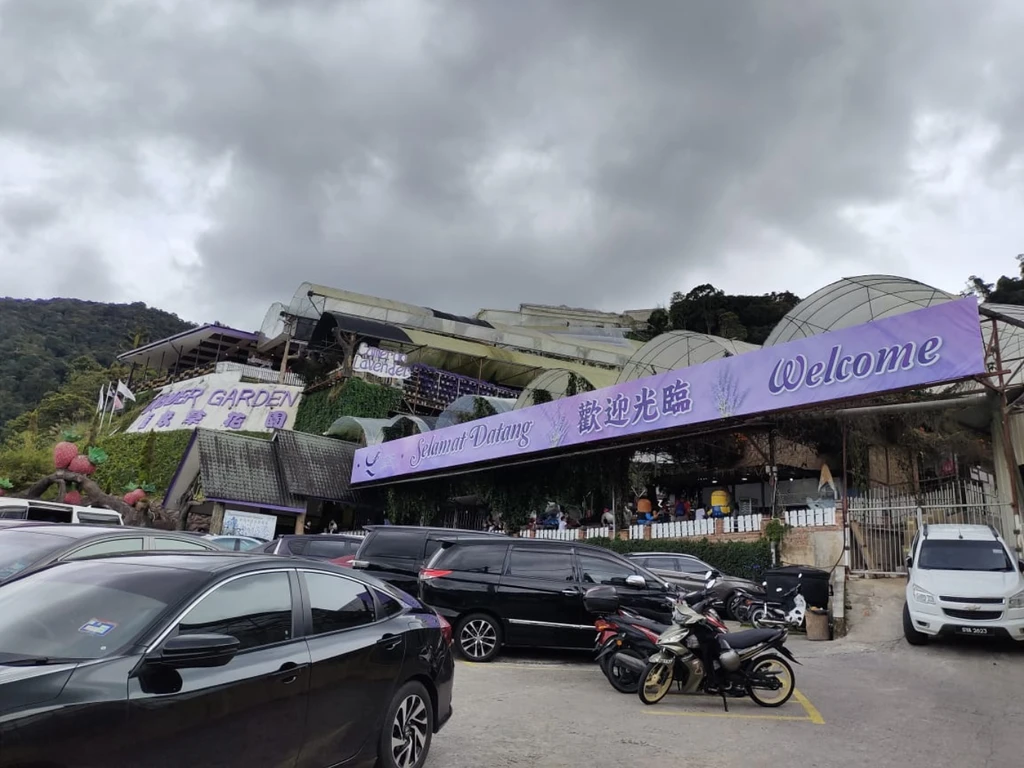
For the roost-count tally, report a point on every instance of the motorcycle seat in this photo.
(751, 637)
(640, 621)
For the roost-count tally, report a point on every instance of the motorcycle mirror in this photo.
(764, 584)
(707, 575)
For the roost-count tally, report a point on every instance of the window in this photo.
(255, 609)
(548, 564)
(486, 558)
(692, 565)
(331, 548)
(337, 603)
(98, 518)
(49, 514)
(13, 513)
(110, 547)
(661, 563)
(432, 546)
(87, 609)
(602, 570)
(388, 605)
(20, 548)
(294, 546)
(165, 544)
(395, 543)
(963, 555)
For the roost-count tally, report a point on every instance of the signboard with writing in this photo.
(912, 350)
(381, 362)
(249, 524)
(220, 401)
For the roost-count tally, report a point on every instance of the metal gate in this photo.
(882, 522)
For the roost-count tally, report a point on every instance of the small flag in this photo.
(102, 400)
(122, 389)
(118, 404)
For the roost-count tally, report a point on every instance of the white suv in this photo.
(963, 580)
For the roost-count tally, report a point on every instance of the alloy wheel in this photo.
(409, 732)
(478, 638)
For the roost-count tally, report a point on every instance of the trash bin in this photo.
(817, 624)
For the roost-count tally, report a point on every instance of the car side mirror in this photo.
(636, 582)
(1021, 564)
(197, 651)
(910, 562)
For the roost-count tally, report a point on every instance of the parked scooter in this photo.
(699, 659)
(624, 634)
(790, 611)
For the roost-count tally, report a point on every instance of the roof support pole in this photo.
(1002, 413)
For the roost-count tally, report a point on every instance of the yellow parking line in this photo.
(812, 711)
(795, 718)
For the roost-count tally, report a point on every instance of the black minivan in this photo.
(529, 592)
(396, 553)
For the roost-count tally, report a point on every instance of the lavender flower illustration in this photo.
(559, 428)
(727, 394)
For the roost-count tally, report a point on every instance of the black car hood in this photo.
(25, 687)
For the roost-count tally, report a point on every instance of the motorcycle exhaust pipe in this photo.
(635, 664)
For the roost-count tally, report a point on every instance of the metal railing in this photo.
(882, 523)
(266, 375)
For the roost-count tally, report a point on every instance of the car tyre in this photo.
(408, 729)
(479, 638)
(913, 636)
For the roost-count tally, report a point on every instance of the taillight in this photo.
(446, 629)
(603, 626)
(650, 635)
(433, 573)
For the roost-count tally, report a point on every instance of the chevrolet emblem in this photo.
(973, 607)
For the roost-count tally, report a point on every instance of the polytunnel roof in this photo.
(464, 405)
(555, 382)
(679, 349)
(852, 301)
(371, 431)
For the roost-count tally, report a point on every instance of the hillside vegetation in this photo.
(40, 340)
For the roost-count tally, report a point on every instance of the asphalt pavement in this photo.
(884, 704)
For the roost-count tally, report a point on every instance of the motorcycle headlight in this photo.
(1017, 601)
(923, 597)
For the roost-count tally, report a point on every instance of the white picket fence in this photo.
(742, 524)
(569, 534)
(678, 529)
(811, 518)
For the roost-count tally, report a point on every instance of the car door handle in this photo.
(570, 592)
(288, 673)
(390, 642)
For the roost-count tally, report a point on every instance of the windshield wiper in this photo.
(34, 661)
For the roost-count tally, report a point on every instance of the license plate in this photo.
(973, 630)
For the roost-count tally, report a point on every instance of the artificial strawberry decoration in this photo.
(81, 465)
(65, 451)
(73, 497)
(5, 485)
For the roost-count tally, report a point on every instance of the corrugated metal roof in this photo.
(504, 365)
(315, 467)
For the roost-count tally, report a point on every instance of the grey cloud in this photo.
(679, 130)
(25, 215)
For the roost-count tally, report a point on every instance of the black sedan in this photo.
(217, 660)
(28, 546)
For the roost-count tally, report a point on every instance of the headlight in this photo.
(1017, 601)
(926, 598)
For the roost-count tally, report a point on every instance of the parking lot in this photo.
(883, 704)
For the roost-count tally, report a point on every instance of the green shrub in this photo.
(744, 559)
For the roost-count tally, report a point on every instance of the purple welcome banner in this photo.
(916, 349)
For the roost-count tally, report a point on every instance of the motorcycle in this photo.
(790, 611)
(623, 633)
(699, 659)
(741, 602)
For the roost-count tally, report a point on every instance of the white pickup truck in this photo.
(963, 580)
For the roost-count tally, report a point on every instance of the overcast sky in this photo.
(207, 157)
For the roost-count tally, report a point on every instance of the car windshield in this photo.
(963, 555)
(86, 610)
(20, 548)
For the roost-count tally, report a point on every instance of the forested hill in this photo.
(39, 339)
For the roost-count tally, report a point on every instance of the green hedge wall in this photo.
(144, 457)
(745, 559)
(355, 397)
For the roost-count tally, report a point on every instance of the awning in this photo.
(193, 349)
